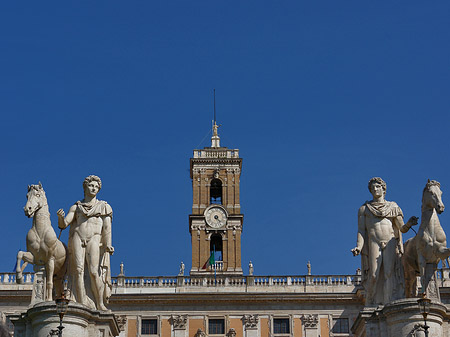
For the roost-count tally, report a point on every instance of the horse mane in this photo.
(431, 183)
(427, 188)
(35, 187)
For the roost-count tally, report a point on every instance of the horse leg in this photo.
(424, 277)
(50, 268)
(60, 269)
(27, 257)
(19, 277)
(408, 281)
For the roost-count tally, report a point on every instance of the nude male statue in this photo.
(89, 244)
(379, 241)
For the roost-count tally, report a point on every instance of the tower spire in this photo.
(215, 140)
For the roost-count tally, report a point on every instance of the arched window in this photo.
(215, 192)
(216, 246)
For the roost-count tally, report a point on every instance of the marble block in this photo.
(79, 321)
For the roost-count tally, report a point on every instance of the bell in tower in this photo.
(216, 220)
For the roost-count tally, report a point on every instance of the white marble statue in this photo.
(379, 241)
(90, 246)
(182, 266)
(429, 246)
(43, 247)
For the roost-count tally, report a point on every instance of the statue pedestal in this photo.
(399, 318)
(79, 321)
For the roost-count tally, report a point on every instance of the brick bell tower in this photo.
(216, 220)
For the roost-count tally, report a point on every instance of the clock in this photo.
(216, 216)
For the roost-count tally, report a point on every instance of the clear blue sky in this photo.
(319, 96)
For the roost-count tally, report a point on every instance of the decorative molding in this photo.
(310, 321)
(233, 226)
(250, 321)
(121, 321)
(178, 322)
(199, 227)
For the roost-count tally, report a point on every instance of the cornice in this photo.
(217, 299)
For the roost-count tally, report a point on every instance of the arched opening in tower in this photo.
(215, 192)
(216, 246)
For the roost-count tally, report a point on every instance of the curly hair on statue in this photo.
(90, 178)
(377, 180)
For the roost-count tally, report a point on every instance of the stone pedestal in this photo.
(39, 285)
(432, 289)
(79, 321)
(399, 318)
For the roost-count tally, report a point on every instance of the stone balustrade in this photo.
(10, 278)
(255, 283)
(216, 153)
(237, 281)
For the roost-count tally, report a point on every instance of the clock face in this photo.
(216, 217)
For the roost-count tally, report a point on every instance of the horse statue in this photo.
(43, 247)
(429, 246)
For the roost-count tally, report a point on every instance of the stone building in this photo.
(217, 299)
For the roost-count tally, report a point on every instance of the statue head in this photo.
(432, 196)
(35, 199)
(377, 180)
(90, 179)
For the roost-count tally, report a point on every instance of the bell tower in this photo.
(216, 220)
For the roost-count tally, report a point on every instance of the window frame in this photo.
(288, 333)
(340, 319)
(224, 327)
(142, 326)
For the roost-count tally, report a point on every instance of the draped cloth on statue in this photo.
(98, 208)
(386, 209)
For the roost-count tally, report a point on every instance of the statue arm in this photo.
(64, 221)
(398, 221)
(106, 234)
(361, 231)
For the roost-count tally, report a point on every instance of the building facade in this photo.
(216, 298)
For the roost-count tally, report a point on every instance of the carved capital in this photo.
(178, 322)
(121, 321)
(200, 333)
(198, 227)
(250, 321)
(310, 321)
(234, 227)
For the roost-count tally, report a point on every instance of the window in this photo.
(340, 325)
(215, 192)
(216, 246)
(149, 327)
(216, 326)
(281, 325)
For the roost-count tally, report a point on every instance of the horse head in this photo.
(35, 199)
(432, 196)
